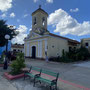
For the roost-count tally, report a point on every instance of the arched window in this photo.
(34, 20)
(43, 21)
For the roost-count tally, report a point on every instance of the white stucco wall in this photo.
(56, 45)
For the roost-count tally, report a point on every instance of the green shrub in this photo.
(65, 57)
(82, 53)
(72, 56)
(55, 59)
(18, 64)
(75, 55)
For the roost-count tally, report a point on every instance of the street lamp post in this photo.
(7, 37)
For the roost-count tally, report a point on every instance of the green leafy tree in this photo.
(18, 64)
(4, 30)
(82, 53)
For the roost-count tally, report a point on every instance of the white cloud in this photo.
(25, 15)
(5, 5)
(3, 15)
(65, 24)
(35, 1)
(30, 29)
(49, 1)
(22, 29)
(74, 10)
(12, 15)
(18, 20)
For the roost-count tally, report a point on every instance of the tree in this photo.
(18, 64)
(4, 30)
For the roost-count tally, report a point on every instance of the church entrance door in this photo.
(33, 52)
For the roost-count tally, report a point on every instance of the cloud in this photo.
(25, 15)
(22, 29)
(35, 1)
(74, 10)
(3, 15)
(30, 29)
(5, 5)
(18, 20)
(12, 15)
(49, 1)
(65, 24)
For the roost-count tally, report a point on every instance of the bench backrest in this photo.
(35, 69)
(39, 70)
(56, 75)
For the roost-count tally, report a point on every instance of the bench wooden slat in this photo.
(36, 68)
(49, 73)
(45, 80)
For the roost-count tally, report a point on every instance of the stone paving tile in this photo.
(84, 64)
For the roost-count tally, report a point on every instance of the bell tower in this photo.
(39, 21)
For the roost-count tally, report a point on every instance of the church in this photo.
(41, 41)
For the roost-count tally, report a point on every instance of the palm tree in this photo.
(4, 30)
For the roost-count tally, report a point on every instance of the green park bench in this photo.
(40, 76)
(32, 73)
(49, 78)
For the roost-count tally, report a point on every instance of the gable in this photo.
(34, 35)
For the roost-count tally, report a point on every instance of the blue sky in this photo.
(71, 18)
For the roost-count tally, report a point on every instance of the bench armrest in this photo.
(37, 75)
(54, 81)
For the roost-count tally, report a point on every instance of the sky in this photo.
(68, 18)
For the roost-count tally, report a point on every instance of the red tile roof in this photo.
(70, 40)
(17, 46)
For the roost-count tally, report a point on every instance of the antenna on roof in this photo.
(40, 6)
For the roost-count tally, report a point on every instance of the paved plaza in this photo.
(73, 76)
(77, 73)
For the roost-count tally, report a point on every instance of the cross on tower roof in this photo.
(39, 6)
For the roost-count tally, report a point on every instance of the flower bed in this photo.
(11, 77)
(16, 68)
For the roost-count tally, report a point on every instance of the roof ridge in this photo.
(39, 9)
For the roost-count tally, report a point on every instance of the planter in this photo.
(11, 77)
